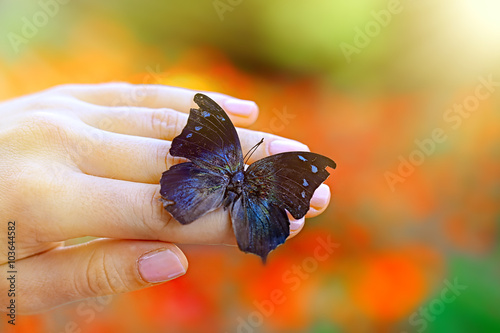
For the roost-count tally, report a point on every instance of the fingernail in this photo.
(160, 266)
(240, 107)
(321, 197)
(281, 146)
(296, 224)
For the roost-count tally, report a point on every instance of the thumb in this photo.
(98, 268)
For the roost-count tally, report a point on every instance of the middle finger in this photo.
(144, 159)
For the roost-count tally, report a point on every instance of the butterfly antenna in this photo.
(251, 151)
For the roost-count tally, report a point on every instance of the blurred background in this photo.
(401, 94)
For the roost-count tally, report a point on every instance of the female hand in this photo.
(85, 160)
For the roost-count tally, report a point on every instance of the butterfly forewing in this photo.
(288, 179)
(209, 139)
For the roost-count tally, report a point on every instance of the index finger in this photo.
(242, 112)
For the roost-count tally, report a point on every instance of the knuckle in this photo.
(171, 160)
(155, 218)
(44, 124)
(30, 186)
(166, 123)
(38, 133)
(161, 153)
(102, 276)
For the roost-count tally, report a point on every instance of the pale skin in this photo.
(85, 160)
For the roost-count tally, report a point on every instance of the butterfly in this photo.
(215, 176)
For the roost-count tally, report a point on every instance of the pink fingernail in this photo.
(240, 107)
(296, 224)
(161, 265)
(321, 197)
(281, 146)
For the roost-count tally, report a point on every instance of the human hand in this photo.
(85, 160)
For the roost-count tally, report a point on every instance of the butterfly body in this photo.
(257, 197)
(234, 188)
(236, 182)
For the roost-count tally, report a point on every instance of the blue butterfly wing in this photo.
(259, 225)
(209, 138)
(274, 185)
(188, 192)
(289, 179)
(210, 141)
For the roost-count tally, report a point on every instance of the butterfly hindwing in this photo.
(273, 184)
(188, 191)
(209, 138)
(259, 225)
